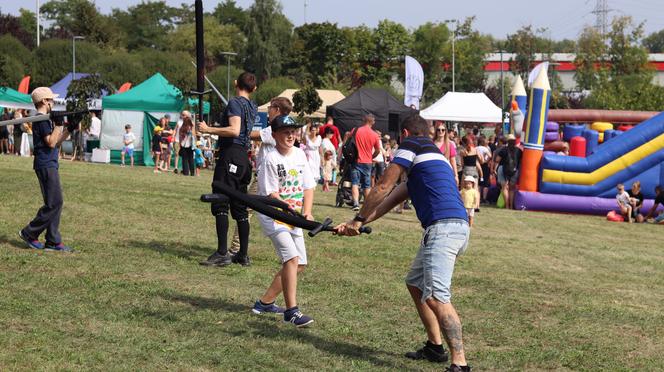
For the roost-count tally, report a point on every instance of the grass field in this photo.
(535, 291)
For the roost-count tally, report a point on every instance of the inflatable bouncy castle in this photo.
(604, 156)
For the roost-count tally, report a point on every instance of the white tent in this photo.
(463, 107)
(329, 98)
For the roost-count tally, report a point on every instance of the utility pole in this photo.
(37, 23)
(228, 72)
(305, 12)
(601, 13)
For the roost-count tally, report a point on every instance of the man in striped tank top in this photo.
(433, 190)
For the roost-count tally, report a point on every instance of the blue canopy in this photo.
(61, 86)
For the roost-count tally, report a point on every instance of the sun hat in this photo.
(469, 179)
(42, 93)
(510, 137)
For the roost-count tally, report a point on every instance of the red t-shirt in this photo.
(335, 137)
(366, 141)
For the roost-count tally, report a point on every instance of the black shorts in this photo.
(4, 133)
(233, 170)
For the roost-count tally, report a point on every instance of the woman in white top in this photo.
(312, 142)
(187, 145)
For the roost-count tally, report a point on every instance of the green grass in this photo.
(535, 291)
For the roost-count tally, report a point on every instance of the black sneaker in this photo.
(356, 207)
(242, 260)
(217, 259)
(428, 353)
(456, 368)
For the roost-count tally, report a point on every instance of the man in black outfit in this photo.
(233, 169)
(46, 136)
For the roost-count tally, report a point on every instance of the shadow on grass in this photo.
(178, 249)
(16, 243)
(269, 330)
(344, 349)
(206, 303)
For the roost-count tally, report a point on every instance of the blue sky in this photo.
(561, 18)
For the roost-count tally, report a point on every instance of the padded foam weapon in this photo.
(273, 208)
(74, 117)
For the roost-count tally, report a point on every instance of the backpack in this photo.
(349, 149)
(510, 164)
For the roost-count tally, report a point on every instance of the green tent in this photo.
(193, 104)
(141, 107)
(11, 98)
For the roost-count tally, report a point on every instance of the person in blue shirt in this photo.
(47, 136)
(233, 169)
(432, 187)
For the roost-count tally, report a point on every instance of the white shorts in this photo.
(289, 245)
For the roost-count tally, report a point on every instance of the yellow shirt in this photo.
(469, 197)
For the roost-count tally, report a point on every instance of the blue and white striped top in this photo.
(431, 184)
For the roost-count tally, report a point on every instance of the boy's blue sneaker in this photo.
(32, 243)
(260, 308)
(295, 316)
(57, 247)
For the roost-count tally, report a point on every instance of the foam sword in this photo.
(273, 208)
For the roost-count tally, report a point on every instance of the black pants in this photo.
(48, 216)
(188, 167)
(233, 169)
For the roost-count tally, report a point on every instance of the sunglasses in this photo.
(440, 130)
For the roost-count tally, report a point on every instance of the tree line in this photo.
(131, 44)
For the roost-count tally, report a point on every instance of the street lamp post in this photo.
(228, 72)
(73, 62)
(456, 22)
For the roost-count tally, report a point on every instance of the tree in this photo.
(306, 100)
(219, 38)
(359, 55)
(13, 26)
(11, 71)
(654, 42)
(268, 37)
(54, 60)
(82, 91)
(524, 43)
(471, 49)
(228, 13)
(429, 48)
(626, 56)
(120, 67)
(12, 47)
(175, 66)
(272, 88)
(80, 17)
(590, 58)
(391, 43)
(316, 51)
(146, 24)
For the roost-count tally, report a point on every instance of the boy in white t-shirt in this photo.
(128, 140)
(286, 175)
(624, 202)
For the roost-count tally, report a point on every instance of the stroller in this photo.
(344, 190)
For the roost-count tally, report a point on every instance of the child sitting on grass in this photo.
(624, 202)
(469, 196)
(286, 175)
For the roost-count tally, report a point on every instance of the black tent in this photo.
(389, 112)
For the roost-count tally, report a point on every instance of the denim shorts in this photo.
(360, 175)
(432, 269)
